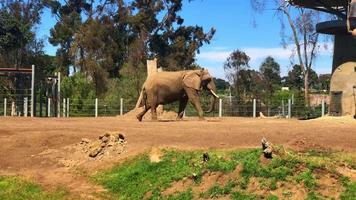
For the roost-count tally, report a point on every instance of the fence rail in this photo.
(284, 108)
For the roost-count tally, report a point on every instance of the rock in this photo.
(95, 152)
(120, 138)
(267, 148)
(205, 157)
(105, 139)
(85, 141)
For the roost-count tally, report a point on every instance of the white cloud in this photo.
(257, 53)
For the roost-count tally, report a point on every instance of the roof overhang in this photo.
(336, 7)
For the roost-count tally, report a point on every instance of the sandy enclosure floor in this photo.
(34, 147)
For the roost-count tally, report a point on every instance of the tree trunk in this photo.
(306, 88)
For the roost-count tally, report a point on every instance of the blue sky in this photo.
(233, 20)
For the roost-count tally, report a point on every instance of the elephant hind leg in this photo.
(154, 113)
(141, 114)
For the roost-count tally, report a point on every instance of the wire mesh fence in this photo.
(226, 107)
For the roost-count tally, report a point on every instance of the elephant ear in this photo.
(192, 80)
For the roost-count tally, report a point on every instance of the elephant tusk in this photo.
(215, 95)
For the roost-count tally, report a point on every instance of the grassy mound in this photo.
(240, 174)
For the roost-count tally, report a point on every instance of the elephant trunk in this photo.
(212, 89)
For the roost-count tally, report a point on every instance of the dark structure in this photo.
(344, 59)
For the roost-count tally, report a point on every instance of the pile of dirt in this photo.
(165, 115)
(108, 146)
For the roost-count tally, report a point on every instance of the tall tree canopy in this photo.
(303, 34)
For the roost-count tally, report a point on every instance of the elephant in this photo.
(167, 87)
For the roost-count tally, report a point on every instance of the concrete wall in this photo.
(344, 79)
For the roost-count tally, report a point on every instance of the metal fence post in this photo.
(59, 95)
(254, 108)
(25, 107)
(64, 107)
(13, 109)
(220, 107)
(96, 107)
(322, 108)
(32, 90)
(121, 106)
(67, 107)
(5, 102)
(49, 107)
(289, 108)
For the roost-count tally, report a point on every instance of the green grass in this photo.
(138, 177)
(14, 188)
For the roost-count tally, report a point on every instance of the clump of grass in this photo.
(186, 195)
(272, 197)
(313, 196)
(350, 192)
(217, 191)
(15, 188)
(242, 196)
(308, 179)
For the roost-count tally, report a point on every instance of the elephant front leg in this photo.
(194, 98)
(182, 104)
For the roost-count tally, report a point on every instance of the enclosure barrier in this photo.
(227, 107)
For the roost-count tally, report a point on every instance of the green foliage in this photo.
(149, 176)
(313, 196)
(350, 192)
(217, 191)
(272, 197)
(186, 195)
(242, 196)
(14, 188)
(130, 83)
(153, 178)
(81, 92)
(308, 179)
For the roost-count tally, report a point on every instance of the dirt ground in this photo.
(37, 147)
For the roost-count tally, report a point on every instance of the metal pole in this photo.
(5, 102)
(254, 108)
(32, 90)
(64, 107)
(13, 109)
(96, 107)
(49, 107)
(67, 107)
(220, 107)
(59, 95)
(121, 106)
(322, 108)
(25, 107)
(289, 108)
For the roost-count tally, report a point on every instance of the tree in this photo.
(270, 71)
(303, 34)
(17, 38)
(69, 19)
(234, 67)
(294, 79)
(221, 84)
(324, 82)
